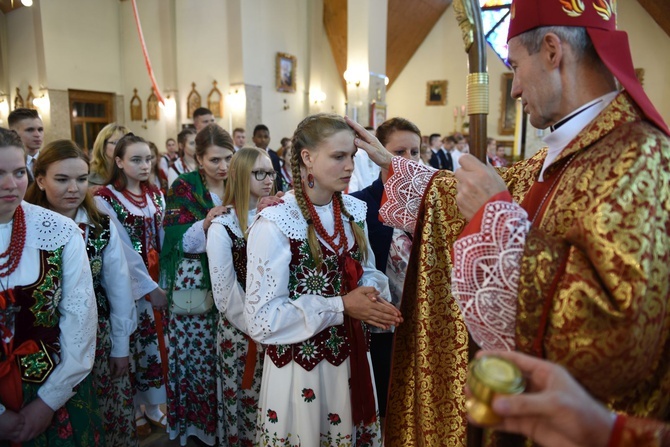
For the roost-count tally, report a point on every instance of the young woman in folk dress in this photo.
(311, 283)
(136, 209)
(186, 161)
(239, 365)
(47, 319)
(61, 185)
(192, 202)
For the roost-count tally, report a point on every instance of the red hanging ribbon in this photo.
(364, 409)
(147, 61)
(11, 393)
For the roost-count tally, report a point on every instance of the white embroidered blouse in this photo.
(46, 230)
(271, 316)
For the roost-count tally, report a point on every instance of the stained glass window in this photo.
(495, 20)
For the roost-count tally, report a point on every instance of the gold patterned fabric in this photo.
(593, 293)
(636, 432)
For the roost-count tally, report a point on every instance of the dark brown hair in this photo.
(117, 177)
(54, 152)
(212, 135)
(384, 131)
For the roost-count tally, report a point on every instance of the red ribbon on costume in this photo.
(249, 364)
(154, 272)
(11, 393)
(362, 393)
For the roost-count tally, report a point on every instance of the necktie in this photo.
(450, 163)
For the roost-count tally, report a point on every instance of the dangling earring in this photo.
(310, 180)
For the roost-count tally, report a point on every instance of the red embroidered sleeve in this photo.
(637, 432)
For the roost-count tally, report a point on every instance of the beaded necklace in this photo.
(139, 200)
(321, 231)
(18, 241)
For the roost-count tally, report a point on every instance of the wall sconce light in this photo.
(4, 106)
(42, 102)
(27, 3)
(170, 107)
(353, 77)
(286, 105)
(317, 96)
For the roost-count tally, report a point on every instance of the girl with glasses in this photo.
(239, 363)
(61, 185)
(136, 209)
(311, 290)
(193, 201)
(47, 319)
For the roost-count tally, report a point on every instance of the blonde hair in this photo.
(99, 162)
(238, 188)
(309, 134)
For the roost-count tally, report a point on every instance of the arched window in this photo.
(495, 20)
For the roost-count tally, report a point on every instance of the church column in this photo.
(366, 59)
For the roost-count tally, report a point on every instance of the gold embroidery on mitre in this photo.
(605, 8)
(573, 8)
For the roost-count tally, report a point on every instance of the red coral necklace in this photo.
(321, 231)
(139, 200)
(18, 241)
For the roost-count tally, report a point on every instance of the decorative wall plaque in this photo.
(30, 99)
(215, 101)
(135, 107)
(153, 112)
(18, 99)
(193, 101)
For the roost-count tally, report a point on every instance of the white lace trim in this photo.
(404, 191)
(229, 221)
(288, 217)
(45, 229)
(485, 275)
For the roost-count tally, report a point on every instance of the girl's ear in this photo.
(119, 162)
(306, 156)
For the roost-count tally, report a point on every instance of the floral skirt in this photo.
(310, 408)
(237, 407)
(77, 423)
(115, 396)
(191, 404)
(145, 360)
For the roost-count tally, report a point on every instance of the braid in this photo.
(359, 233)
(312, 241)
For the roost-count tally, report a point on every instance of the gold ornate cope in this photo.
(597, 262)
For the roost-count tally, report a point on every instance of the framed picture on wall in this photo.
(286, 67)
(508, 106)
(377, 114)
(436, 93)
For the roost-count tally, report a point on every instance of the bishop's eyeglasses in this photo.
(260, 175)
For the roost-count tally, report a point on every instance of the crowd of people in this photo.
(133, 282)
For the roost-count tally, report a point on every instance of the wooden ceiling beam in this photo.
(659, 10)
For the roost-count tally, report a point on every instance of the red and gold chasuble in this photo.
(593, 291)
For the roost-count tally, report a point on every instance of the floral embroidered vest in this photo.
(98, 238)
(140, 229)
(38, 318)
(331, 344)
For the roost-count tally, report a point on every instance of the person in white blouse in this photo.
(47, 315)
(186, 161)
(311, 283)
(61, 184)
(136, 209)
(239, 364)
